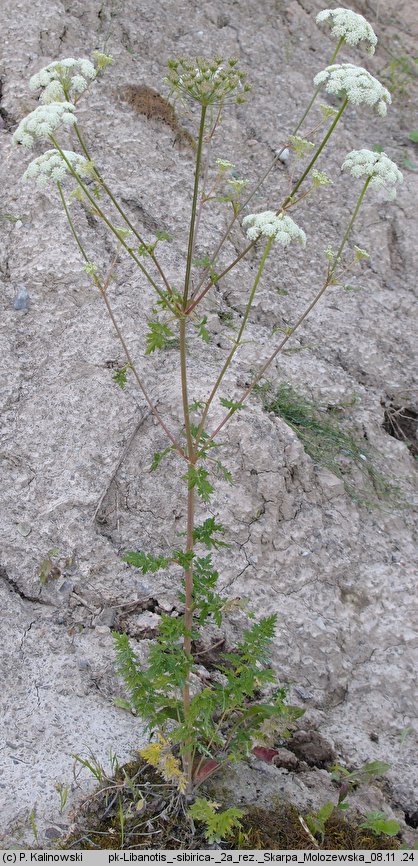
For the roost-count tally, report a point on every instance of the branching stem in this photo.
(301, 319)
(119, 209)
(103, 291)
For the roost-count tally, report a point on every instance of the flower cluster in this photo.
(270, 225)
(63, 80)
(350, 26)
(384, 173)
(52, 167)
(209, 82)
(41, 123)
(355, 84)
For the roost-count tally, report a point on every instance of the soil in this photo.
(76, 450)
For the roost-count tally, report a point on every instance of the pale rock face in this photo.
(340, 576)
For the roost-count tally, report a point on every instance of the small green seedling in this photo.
(380, 825)
(49, 569)
(317, 820)
(219, 825)
(62, 791)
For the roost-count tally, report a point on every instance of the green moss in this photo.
(280, 829)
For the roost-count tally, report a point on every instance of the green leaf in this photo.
(163, 236)
(380, 825)
(197, 477)
(120, 376)
(219, 825)
(206, 263)
(224, 472)
(231, 404)
(378, 148)
(145, 562)
(158, 336)
(325, 812)
(122, 704)
(205, 534)
(413, 136)
(158, 457)
(122, 233)
(317, 821)
(196, 405)
(183, 557)
(202, 331)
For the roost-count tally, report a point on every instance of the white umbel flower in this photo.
(63, 79)
(384, 173)
(41, 123)
(270, 225)
(356, 84)
(350, 26)
(51, 167)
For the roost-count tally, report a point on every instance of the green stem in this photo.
(197, 300)
(184, 389)
(194, 205)
(188, 625)
(301, 319)
(188, 572)
(219, 277)
(237, 342)
(261, 181)
(340, 43)
(102, 288)
(109, 224)
(119, 209)
(315, 156)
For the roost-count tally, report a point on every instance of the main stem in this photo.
(188, 572)
(194, 206)
(187, 640)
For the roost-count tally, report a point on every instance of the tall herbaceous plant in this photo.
(196, 728)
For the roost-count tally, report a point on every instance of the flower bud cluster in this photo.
(41, 123)
(271, 225)
(350, 26)
(52, 167)
(207, 81)
(355, 84)
(384, 173)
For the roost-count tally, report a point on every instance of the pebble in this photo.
(102, 629)
(22, 300)
(284, 155)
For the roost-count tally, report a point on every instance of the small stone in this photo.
(283, 155)
(52, 833)
(302, 693)
(105, 617)
(285, 759)
(146, 624)
(21, 301)
(24, 529)
(102, 629)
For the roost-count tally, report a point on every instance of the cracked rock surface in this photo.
(75, 451)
